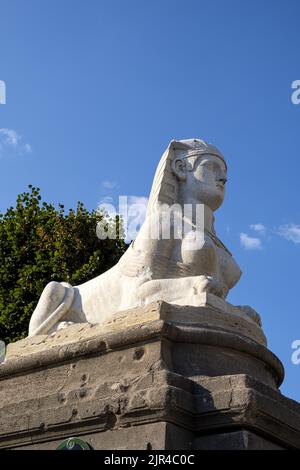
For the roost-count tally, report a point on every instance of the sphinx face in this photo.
(205, 183)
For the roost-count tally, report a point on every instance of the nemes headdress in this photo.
(165, 186)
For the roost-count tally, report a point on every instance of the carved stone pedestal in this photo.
(161, 377)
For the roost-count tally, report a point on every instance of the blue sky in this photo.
(97, 89)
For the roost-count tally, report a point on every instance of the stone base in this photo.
(162, 377)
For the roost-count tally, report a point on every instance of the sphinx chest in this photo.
(211, 259)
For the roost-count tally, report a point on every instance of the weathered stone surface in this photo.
(159, 384)
(237, 440)
(150, 436)
(214, 313)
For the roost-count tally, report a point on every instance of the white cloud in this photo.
(106, 200)
(107, 184)
(28, 148)
(250, 243)
(259, 228)
(141, 201)
(10, 137)
(136, 214)
(12, 143)
(290, 232)
(107, 205)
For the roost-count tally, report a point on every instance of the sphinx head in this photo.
(190, 171)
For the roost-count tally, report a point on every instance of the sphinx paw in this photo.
(61, 326)
(210, 285)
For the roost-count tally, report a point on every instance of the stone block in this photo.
(164, 378)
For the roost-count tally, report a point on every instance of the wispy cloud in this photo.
(250, 243)
(10, 137)
(107, 184)
(12, 143)
(107, 205)
(259, 228)
(290, 232)
(140, 203)
(106, 200)
(137, 208)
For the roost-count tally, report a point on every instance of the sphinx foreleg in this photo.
(52, 308)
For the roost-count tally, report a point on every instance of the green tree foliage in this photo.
(38, 244)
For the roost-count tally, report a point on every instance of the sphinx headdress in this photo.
(165, 185)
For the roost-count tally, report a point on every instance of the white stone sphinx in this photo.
(168, 268)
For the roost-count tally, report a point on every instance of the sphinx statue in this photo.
(175, 268)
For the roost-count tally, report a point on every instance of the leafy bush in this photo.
(38, 244)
